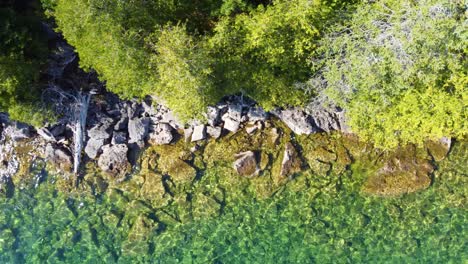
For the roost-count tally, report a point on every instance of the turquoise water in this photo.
(324, 221)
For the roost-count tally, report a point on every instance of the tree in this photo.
(399, 69)
(22, 51)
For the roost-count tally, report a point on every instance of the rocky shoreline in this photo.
(118, 132)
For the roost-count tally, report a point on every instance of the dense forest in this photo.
(398, 68)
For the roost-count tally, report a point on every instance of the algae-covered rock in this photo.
(204, 206)
(138, 239)
(246, 164)
(113, 160)
(291, 163)
(439, 149)
(406, 170)
(153, 190)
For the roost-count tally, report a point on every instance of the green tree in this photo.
(399, 69)
(22, 51)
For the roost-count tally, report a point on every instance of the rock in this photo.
(46, 134)
(214, 132)
(405, 171)
(329, 119)
(122, 124)
(61, 158)
(18, 131)
(93, 146)
(251, 129)
(257, 114)
(58, 130)
(119, 138)
(275, 134)
(162, 134)
(113, 160)
(246, 164)
(212, 115)
(231, 124)
(291, 162)
(99, 131)
(439, 149)
(235, 112)
(138, 130)
(199, 133)
(298, 121)
(188, 134)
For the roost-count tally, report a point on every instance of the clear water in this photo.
(332, 223)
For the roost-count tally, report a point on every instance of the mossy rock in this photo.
(153, 190)
(204, 206)
(404, 170)
(137, 242)
(438, 150)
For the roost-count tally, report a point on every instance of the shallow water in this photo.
(319, 223)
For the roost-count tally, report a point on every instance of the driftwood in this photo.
(81, 113)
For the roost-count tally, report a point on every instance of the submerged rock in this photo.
(246, 164)
(60, 157)
(405, 171)
(291, 163)
(113, 160)
(439, 149)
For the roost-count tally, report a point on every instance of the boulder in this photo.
(46, 134)
(138, 130)
(162, 134)
(19, 131)
(214, 132)
(297, 120)
(119, 138)
(199, 133)
(291, 163)
(113, 160)
(188, 134)
(93, 146)
(257, 114)
(404, 171)
(330, 118)
(439, 149)
(231, 124)
(122, 124)
(58, 130)
(246, 164)
(212, 115)
(100, 131)
(60, 157)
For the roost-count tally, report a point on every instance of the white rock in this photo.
(199, 133)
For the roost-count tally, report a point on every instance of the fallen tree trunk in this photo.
(81, 113)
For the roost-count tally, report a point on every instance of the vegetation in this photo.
(190, 55)
(22, 52)
(400, 70)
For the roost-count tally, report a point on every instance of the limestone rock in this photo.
(138, 130)
(246, 164)
(113, 159)
(188, 134)
(99, 131)
(46, 134)
(298, 121)
(119, 138)
(162, 134)
(212, 115)
(214, 132)
(93, 146)
(199, 133)
(291, 162)
(231, 124)
(439, 149)
(403, 172)
(19, 131)
(61, 158)
(257, 114)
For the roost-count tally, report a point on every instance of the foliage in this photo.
(400, 70)
(22, 51)
(190, 55)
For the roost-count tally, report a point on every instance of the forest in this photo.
(397, 68)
